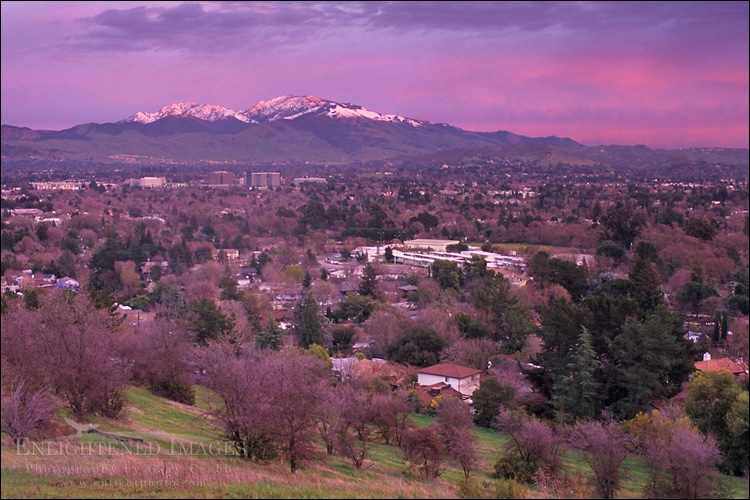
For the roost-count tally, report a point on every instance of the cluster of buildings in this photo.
(69, 185)
(423, 253)
(27, 280)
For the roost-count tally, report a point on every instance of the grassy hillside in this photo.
(134, 470)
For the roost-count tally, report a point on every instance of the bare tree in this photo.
(242, 414)
(423, 450)
(24, 410)
(275, 397)
(455, 427)
(454, 413)
(69, 346)
(331, 419)
(390, 414)
(680, 459)
(531, 439)
(159, 354)
(354, 438)
(603, 445)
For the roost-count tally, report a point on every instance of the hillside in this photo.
(178, 427)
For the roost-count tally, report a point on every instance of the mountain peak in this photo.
(209, 112)
(286, 107)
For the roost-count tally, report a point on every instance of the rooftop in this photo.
(719, 364)
(450, 370)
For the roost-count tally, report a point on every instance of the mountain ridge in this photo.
(286, 128)
(308, 129)
(286, 107)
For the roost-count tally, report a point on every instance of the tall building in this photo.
(264, 179)
(220, 177)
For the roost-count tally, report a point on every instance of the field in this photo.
(177, 461)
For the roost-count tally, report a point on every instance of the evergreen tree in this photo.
(388, 255)
(209, 322)
(648, 293)
(310, 324)
(576, 390)
(228, 286)
(368, 287)
(716, 337)
(306, 281)
(270, 337)
(651, 359)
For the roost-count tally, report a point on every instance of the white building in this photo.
(462, 379)
(436, 245)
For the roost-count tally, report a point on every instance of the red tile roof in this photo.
(440, 389)
(719, 364)
(449, 370)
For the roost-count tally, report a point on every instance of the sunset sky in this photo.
(667, 75)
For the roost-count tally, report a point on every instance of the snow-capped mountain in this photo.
(285, 129)
(208, 112)
(286, 107)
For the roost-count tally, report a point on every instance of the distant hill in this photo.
(680, 163)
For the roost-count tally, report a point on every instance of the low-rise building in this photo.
(428, 244)
(462, 379)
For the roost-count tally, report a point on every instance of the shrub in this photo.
(24, 411)
(516, 468)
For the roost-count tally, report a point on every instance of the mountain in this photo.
(208, 112)
(309, 129)
(287, 107)
(287, 128)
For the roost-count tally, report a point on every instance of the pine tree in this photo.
(306, 281)
(716, 337)
(575, 391)
(270, 337)
(388, 255)
(310, 323)
(368, 287)
(649, 294)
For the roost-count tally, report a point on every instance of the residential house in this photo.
(462, 379)
(739, 371)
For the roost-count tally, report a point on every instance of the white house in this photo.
(464, 380)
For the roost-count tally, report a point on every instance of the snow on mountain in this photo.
(286, 107)
(207, 112)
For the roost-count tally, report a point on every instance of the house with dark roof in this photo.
(460, 378)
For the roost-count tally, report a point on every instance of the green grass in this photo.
(166, 476)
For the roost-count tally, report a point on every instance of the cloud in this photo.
(544, 26)
(191, 26)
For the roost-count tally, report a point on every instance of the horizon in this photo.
(246, 109)
(663, 75)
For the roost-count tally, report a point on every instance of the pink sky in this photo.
(671, 74)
